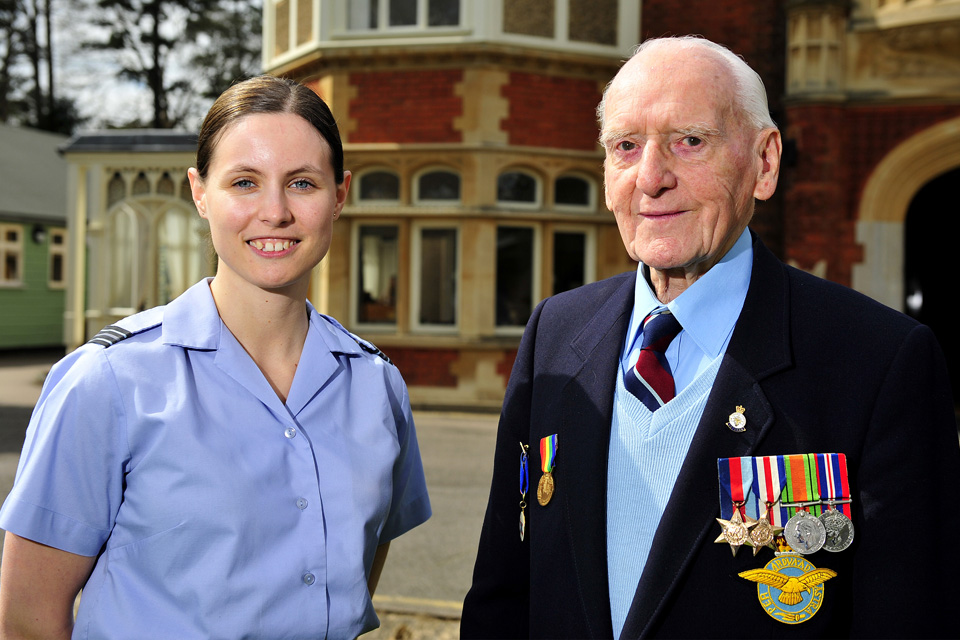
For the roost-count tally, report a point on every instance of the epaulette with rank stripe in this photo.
(110, 335)
(369, 347)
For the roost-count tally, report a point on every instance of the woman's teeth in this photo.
(280, 245)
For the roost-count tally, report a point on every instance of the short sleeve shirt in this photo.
(216, 510)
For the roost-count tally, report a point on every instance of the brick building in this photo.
(469, 127)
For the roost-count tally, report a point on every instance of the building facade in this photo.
(477, 190)
(33, 238)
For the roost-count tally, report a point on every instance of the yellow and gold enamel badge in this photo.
(790, 588)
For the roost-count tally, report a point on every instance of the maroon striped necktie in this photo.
(650, 379)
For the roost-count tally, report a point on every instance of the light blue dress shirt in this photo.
(707, 310)
(647, 448)
(217, 510)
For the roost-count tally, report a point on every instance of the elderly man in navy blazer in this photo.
(663, 420)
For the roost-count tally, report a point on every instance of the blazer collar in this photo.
(759, 347)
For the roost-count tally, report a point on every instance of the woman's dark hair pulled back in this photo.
(267, 94)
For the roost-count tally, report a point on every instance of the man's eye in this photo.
(626, 145)
(692, 141)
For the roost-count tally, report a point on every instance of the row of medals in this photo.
(804, 532)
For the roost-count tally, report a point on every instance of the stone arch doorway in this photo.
(930, 234)
(886, 198)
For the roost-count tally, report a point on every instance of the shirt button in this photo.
(290, 432)
(309, 579)
(301, 503)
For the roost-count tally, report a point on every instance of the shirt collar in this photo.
(708, 309)
(191, 320)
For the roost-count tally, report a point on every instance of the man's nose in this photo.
(655, 171)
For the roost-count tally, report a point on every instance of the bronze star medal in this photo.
(736, 532)
(763, 533)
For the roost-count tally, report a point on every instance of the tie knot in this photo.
(658, 330)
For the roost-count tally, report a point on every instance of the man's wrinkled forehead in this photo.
(667, 65)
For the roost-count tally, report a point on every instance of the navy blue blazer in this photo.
(819, 368)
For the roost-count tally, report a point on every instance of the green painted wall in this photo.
(32, 315)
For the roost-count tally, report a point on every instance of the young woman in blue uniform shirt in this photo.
(233, 464)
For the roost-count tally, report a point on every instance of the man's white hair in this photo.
(751, 96)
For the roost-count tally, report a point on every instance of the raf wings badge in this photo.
(790, 588)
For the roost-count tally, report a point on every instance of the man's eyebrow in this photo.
(700, 130)
(606, 137)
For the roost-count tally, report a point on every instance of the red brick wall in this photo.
(551, 111)
(838, 147)
(425, 367)
(405, 106)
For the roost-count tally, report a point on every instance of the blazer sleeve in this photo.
(498, 603)
(909, 475)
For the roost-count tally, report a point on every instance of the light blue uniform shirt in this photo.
(217, 510)
(647, 448)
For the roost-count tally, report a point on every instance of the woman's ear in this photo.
(198, 191)
(342, 189)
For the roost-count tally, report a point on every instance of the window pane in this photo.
(123, 245)
(180, 260)
(514, 276)
(444, 13)
(403, 13)
(528, 17)
(569, 260)
(379, 185)
(593, 21)
(11, 267)
(516, 187)
(439, 185)
(377, 271)
(363, 14)
(438, 276)
(56, 268)
(571, 191)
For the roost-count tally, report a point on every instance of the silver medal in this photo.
(804, 533)
(839, 530)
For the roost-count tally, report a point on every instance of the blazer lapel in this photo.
(758, 348)
(583, 440)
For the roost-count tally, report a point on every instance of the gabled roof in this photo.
(33, 176)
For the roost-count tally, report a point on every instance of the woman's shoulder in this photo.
(351, 341)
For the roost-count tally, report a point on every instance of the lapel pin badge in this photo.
(737, 421)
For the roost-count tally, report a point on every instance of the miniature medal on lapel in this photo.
(548, 455)
(795, 505)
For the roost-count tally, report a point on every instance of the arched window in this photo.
(518, 189)
(180, 253)
(378, 187)
(573, 192)
(438, 186)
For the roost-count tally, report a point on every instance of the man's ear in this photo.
(198, 191)
(769, 149)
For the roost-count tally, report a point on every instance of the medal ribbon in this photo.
(524, 473)
(802, 482)
(770, 473)
(548, 453)
(736, 480)
(834, 483)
